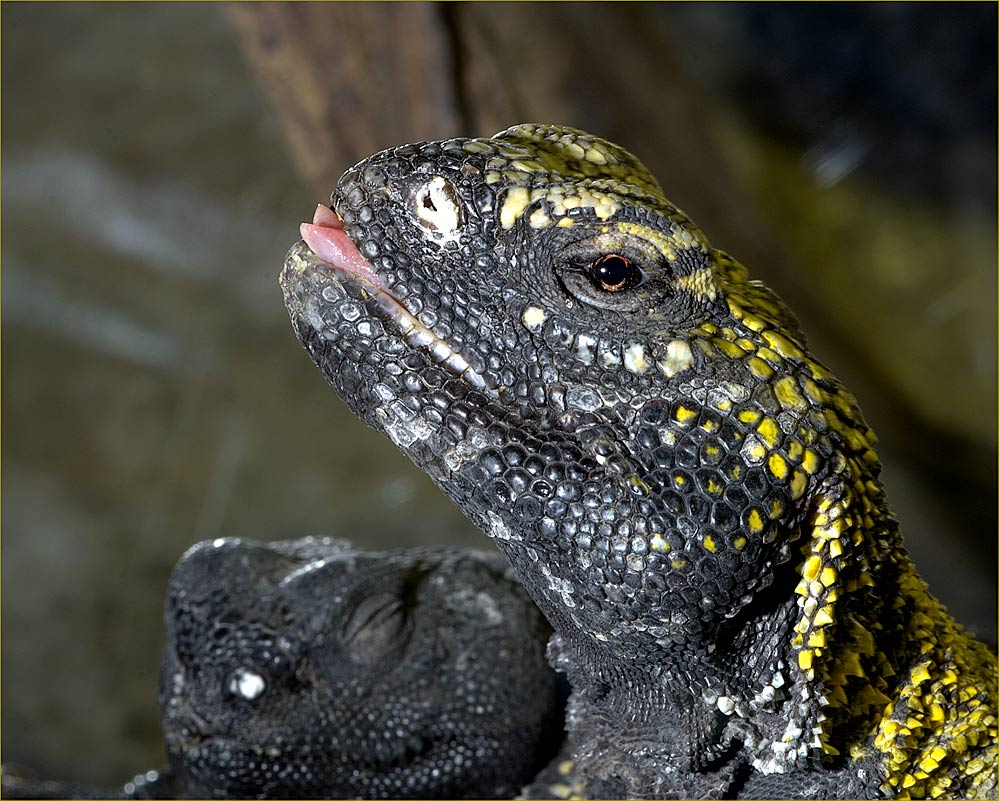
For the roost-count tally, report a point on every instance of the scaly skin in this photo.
(310, 669)
(690, 497)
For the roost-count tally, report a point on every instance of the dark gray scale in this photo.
(310, 669)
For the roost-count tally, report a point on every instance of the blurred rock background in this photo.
(158, 157)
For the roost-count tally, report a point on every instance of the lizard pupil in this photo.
(615, 273)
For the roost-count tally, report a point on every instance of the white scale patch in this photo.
(610, 357)
(304, 570)
(436, 210)
(247, 683)
(678, 358)
(466, 450)
(634, 358)
(403, 432)
(561, 586)
(584, 348)
(725, 705)
(499, 530)
(534, 317)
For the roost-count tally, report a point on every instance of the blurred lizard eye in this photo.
(435, 204)
(615, 273)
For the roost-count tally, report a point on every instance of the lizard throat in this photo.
(333, 249)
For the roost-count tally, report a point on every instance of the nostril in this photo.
(437, 209)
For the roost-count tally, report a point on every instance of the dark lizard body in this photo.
(311, 669)
(690, 497)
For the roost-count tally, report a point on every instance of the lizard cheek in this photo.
(436, 209)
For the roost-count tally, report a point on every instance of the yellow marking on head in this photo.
(638, 486)
(799, 482)
(663, 244)
(527, 165)
(476, 146)
(759, 368)
(729, 349)
(516, 201)
(660, 545)
(810, 462)
(780, 343)
(812, 391)
(789, 395)
(822, 617)
(817, 639)
(777, 466)
(699, 283)
(685, 415)
(539, 219)
(768, 431)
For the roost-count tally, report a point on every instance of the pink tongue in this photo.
(326, 216)
(334, 247)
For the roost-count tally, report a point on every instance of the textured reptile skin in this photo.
(690, 497)
(310, 669)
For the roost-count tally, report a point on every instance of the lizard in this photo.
(312, 669)
(692, 498)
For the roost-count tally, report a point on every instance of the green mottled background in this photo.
(154, 395)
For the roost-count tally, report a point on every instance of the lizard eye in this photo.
(436, 208)
(615, 273)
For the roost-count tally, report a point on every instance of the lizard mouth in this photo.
(333, 248)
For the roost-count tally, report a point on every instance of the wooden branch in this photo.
(348, 79)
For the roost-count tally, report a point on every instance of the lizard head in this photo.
(537, 327)
(310, 669)
(495, 259)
